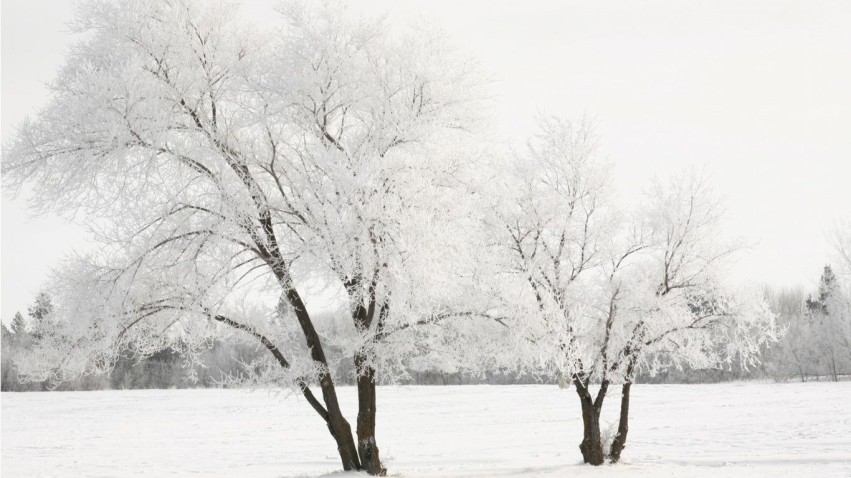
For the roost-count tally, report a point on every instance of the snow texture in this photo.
(731, 430)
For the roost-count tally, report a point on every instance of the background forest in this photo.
(815, 347)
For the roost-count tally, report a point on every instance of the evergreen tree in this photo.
(826, 290)
(41, 308)
(19, 325)
(830, 327)
(39, 313)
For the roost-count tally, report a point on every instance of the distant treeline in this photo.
(816, 345)
(166, 369)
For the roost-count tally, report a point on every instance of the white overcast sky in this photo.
(757, 92)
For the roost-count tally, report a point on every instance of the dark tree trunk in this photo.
(363, 318)
(592, 443)
(619, 443)
(337, 423)
(339, 427)
(592, 440)
(833, 367)
(367, 446)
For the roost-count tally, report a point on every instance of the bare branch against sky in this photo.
(754, 91)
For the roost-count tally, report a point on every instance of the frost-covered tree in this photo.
(669, 306)
(230, 170)
(793, 355)
(597, 293)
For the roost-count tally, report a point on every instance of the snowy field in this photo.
(729, 430)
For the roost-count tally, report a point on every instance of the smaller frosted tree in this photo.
(669, 304)
(597, 293)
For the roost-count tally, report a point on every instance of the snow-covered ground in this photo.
(751, 430)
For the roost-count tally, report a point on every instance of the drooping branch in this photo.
(273, 349)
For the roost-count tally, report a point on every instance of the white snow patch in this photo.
(726, 430)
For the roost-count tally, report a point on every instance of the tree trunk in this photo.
(833, 367)
(619, 443)
(367, 446)
(337, 423)
(592, 442)
(339, 427)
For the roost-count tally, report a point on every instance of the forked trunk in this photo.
(337, 423)
(339, 427)
(592, 441)
(619, 442)
(367, 446)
